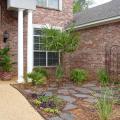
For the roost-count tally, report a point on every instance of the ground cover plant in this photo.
(49, 104)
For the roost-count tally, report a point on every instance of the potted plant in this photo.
(5, 64)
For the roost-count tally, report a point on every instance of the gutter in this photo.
(96, 23)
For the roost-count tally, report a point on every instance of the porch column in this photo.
(20, 46)
(30, 43)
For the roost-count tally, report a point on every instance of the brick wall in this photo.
(9, 22)
(90, 54)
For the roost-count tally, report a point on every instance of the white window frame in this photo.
(60, 5)
(39, 26)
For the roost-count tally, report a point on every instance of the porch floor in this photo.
(13, 106)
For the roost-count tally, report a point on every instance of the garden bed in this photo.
(76, 102)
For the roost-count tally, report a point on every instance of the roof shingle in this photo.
(101, 12)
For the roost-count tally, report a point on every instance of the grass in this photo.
(104, 104)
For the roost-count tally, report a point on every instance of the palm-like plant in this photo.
(62, 41)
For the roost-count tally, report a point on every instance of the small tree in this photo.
(57, 40)
(80, 5)
(62, 41)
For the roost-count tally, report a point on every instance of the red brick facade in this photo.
(90, 54)
(8, 21)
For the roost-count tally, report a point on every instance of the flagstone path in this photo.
(73, 96)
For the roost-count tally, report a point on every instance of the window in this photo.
(49, 3)
(41, 56)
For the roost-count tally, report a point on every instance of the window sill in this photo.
(45, 66)
(48, 8)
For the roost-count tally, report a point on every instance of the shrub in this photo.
(78, 75)
(38, 76)
(59, 72)
(5, 60)
(104, 104)
(41, 70)
(103, 77)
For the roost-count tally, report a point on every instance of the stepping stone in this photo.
(29, 91)
(51, 89)
(89, 85)
(95, 88)
(67, 116)
(67, 98)
(84, 90)
(48, 93)
(91, 100)
(70, 106)
(81, 96)
(72, 91)
(55, 118)
(63, 91)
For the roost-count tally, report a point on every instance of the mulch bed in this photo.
(85, 111)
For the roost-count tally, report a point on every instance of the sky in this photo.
(99, 2)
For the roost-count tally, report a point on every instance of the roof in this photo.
(99, 13)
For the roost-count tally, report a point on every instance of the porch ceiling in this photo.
(23, 4)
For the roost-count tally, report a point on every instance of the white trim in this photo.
(46, 26)
(60, 5)
(30, 43)
(20, 47)
(97, 22)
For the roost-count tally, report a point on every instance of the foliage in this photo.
(62, 41)
(37, 102)
(103, 77)
(51, 101)
(38, 76)
(104, 104)
(80, 5)
(59, 72)
(57, 40)
(78, 75)
(52, 110)
(49, 104)
(5, 60)
(41, 70)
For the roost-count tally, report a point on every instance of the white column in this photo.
(30, 43)
(20, 46)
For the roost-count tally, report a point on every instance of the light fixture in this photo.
(5, 36)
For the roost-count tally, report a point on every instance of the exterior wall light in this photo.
(5, 36)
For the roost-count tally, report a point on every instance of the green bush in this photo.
(78, 75)
(103, 77)
(38, 76)
(5, 60)
(59, 72)
(41, 70)
(104, 104)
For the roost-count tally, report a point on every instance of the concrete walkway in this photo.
(13, 106)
